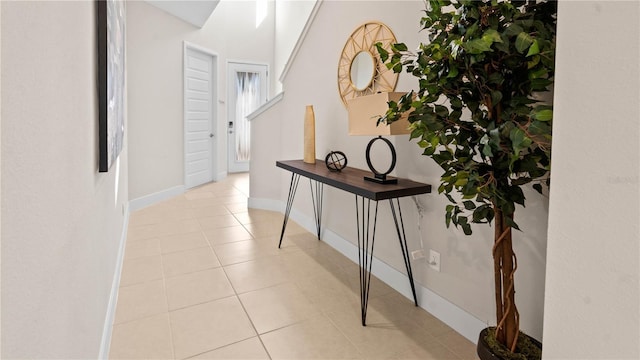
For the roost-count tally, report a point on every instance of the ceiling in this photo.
(195, 12)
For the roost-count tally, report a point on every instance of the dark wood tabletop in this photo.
(352, 180)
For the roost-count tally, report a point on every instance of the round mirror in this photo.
(362, 70)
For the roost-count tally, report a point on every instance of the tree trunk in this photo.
(505, 264)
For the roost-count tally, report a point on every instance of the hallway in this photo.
(203, 278)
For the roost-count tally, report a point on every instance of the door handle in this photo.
(210, 135)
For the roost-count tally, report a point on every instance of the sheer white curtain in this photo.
(248, 99)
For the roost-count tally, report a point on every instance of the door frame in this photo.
(231, 87)
(214, 150)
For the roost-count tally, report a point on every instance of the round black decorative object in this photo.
(381, 177)
(336, 161)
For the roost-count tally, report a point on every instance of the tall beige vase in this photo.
(309, 136)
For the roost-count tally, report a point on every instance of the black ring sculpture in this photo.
(381, 177)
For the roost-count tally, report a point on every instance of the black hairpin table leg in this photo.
(366, 240)
(397, 219)
(317, 193)
(293, 186)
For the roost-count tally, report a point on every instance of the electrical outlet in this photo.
(417, 254)
(434, 260)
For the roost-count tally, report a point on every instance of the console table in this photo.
(352, 180)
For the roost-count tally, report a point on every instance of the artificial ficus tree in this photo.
(477, 115)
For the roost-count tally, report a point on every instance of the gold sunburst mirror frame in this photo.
(360, 70)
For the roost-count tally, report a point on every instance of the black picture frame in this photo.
(110, 32)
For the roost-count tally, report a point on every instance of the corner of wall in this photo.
(105, 343)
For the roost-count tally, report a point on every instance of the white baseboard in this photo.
(147, 200)
(113, 298)
(221, 175)
(458, 319)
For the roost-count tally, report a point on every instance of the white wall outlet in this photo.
(434, 260)
(417, 254)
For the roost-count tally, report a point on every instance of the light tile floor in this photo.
(203, 279)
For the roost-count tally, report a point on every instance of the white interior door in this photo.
(199, 116)
(247, 91)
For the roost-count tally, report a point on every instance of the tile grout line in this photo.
(166, 299)
(235, 292)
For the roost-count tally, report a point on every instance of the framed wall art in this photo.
(110, 21)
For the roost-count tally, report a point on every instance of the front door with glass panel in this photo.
(247, 91)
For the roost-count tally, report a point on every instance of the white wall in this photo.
(592, 302)
(61, 221)
(467, 268)
(291, 18)
(155, 47)
(0, 172)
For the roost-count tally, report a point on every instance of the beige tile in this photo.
(276, 307)
(236, 207)
(265, 228)
(195, 195)
(161, 213)
(430, 351)
(382, 337)
(327, 254)
(140, 300)
(241, 251)
(141, 270)
(271, 228)
(227, 235)
(188, 261)
(458, 344)
(376, 288)
(408, 311)
(257, 274)
(141, 232)
(250, 349)
(148, 338)
(205, 327)
(316, 338)
(164, 228)
(301, 265)
(141, 248)
(328, 293)
(203, 203)
(182, 242)
(216, 222)
(233, 199)
(255, 215)
(196, 288)
(210, 210)
(305, 240)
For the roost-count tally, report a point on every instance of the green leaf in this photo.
(463, 222)
(517, 137)
(476, 46)
(490, 36)
(384, 54)
(496, 96)
(534, 49)
(399, 47)
(543, 115)
(453, 72)
(486, 151)
(513, 30)
(523, 41)
(538, 188)
(469, 205)
(509, 221)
